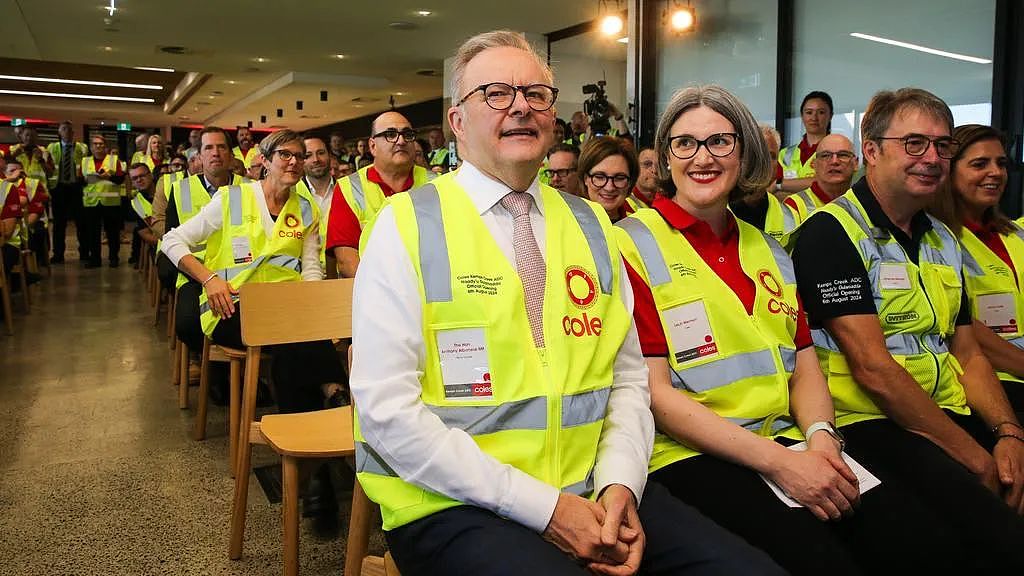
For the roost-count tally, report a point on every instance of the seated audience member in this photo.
(34, 199)
(420, 151)
(238, 168)
(993, 250)
(256, 171)
(238, 252)
(562, 171)
(143, 189)
(364, 157)
(247, 150)
(797, 161)
(891, 322)
(155, 153)
(834, 163)
(608, 170)
(761, 208)
(11, 211)
(392, 171)
(646, 186)
(493, 441)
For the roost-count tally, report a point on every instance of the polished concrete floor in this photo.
(98, 474)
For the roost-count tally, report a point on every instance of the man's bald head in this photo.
(835, 162)
(391, 156)
(389, 119)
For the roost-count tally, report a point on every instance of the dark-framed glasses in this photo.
(600, 179)
(500, 96)
(842, 156)
(560, 172)
(287, 155)
(391, 135)
(685, 146)
(917, 145)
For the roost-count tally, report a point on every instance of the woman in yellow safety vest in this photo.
(731, 361)
(608, 168)
(154, 153)
(797, 161)
(993, 250)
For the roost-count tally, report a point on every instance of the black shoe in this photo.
(338, 399)
(33, 278)
(133, 260)
(263, 396)
(57, 260)
(115, 263)
(320, 504)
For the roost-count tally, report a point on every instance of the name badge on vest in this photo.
(998, 312)
(789, 174)
(240, 250)
(465, 368)
(894, 277)
(690, 331)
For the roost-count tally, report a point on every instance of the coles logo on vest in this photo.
(290, 221)
(581, 287)
(775, 305)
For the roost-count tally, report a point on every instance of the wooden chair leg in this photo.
(242, 469)
(204, 391)
(156, 312)
(182, 353)
(358, 530)
(290, 514)
(175, 368)
(235, 408)
(172, 303)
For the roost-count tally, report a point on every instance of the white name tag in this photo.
(690, 332)
(998, 312)
(894, 277)
(240, 249)
(789, 174)
(465, 368)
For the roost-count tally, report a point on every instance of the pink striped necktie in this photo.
(529, 262)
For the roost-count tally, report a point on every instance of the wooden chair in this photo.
(280, 313)
(365, 514)
(235, 357)
(5, 298)
(21, 269)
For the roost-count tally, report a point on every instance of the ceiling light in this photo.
(80, 82)
(211, 96)
(108, 48)
(920, 48)
(339, 56)
(77, 96)
(152, 69)
(423, 12)
(260, 59)
(232, 82)
(611, 25)
(400, 93)
(623, 40)
(682, 19)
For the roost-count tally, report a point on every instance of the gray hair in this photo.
(474, 46)
(275, 139)
(767, 129)
(887, 103)
(756, 170)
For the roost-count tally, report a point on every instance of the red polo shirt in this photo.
(37, 203)
(825, 198)
(343, 227)
(721, 254)
(806, 150)
(12, 204)
(991, 238)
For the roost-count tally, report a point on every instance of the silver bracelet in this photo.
(212, 276)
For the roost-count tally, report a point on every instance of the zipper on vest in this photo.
(934, 355)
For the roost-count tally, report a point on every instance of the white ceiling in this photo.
(298, 40)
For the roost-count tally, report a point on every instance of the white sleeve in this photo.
(388, 358)
(311, 254)
(178, 242)
(628, 435)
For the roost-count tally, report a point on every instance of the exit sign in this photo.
(17, 121)
(124, 127)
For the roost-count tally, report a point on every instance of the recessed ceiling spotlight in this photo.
(423, 12)
(400, 93)
(339, 56)
(107, 48)
(260, 59)
(211, 96)
(232, 82)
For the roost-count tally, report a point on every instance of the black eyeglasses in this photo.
(287, 155)
(391, 135)
(600, 179)
(561, 172)
(842, 155)
(917, 145)
(685, 146)
(501, 96)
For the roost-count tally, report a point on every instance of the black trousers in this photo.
(979, 528)
(186, 316)
(298, 370)
(37, 242)
(166, 272)
(470, 541)
(107, 220)
(66, 201)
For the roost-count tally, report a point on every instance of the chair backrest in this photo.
(288, 312)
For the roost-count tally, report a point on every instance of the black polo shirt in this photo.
(755, 215)
(824, 255)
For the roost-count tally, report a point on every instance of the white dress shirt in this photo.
(388, 361)
(179, 242)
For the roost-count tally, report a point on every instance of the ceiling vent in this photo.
(366, 99)
(176, 50)
(429, 72)
(402, 26)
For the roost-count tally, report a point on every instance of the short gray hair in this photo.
(474, 46)
(275, 139)
(756, 169)
(767, 129)
(887, 103)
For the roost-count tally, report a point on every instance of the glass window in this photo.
(581, 62)
(847, 49)
(732, 44)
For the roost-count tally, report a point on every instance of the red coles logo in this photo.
(775, 305)
(581, 286)
(291, 221)
(768, 280)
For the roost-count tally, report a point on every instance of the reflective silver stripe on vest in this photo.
(367, 460)
(971, 265)
(782, 260)
(582, 488)
(787, 159)
(585, 407)
(788, 218)
(529, 414)
(595, 239)
(229, 274)
(434, 265)
(647, 246)
(235, 204)
(184, 195)
(1018, 230)
(755, 424)
(725, 371)
(788, 358)
(306, 209)
(808, 202)
(357, 190)
(139, 208)
(1018, 342)
(897, 344)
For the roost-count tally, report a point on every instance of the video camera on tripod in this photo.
(597, 108)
